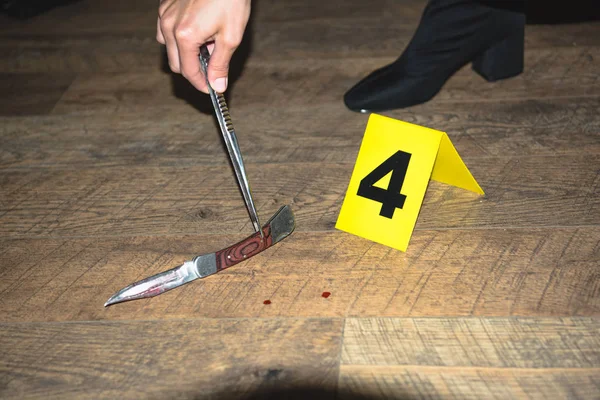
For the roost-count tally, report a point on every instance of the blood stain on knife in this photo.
(267, 302)
(326, 294)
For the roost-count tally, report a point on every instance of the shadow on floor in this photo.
(301, 393)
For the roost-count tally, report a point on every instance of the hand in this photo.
(184, 25)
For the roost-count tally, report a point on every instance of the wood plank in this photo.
(346, 37)
(47, 54)
(467, 383)
(471, 357)
(561, 343)
(302, 10)
(485, 273)
(558, 36)
(161, 359)
(323, 133)
(569, 72)
(551, 272)
(520, 192)
(83, 18)
(31, 94)
(134, 52)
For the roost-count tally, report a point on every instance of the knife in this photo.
(280, 226)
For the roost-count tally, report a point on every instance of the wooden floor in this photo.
(111, 170)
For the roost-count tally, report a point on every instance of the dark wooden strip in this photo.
(369, 382)
(31, 94)
(323, 133)
(160, 359)
(569, 72)
(84, 19)
(563, 343)
(352, 37)
(303, 11)
(60, 55)
(550, 272)
(553, 54)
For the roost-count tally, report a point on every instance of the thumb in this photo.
(218, 66)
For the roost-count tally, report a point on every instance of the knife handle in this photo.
(245, 249)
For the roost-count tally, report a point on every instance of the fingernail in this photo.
(220, 85)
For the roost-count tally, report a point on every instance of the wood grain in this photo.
(471, 357)
(415, 382)
(544, 272)
(188, 359)
(564, 343)
(31, 94)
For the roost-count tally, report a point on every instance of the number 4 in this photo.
(390, 198)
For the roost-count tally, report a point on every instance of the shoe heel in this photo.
(504, 59)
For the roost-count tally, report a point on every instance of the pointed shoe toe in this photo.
(388, 90)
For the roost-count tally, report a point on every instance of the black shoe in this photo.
(451, 34)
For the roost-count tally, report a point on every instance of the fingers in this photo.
(166, 25)
(159, 35)
(184, 25)
(190, 64)
(218, 67)
(172, 52)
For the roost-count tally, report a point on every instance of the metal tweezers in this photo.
(222, 112)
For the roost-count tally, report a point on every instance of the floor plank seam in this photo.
(594, 318)
(87, 166)
(299, 231)
(339, 360)
(376, 367)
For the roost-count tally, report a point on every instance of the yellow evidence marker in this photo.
(395, 162)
